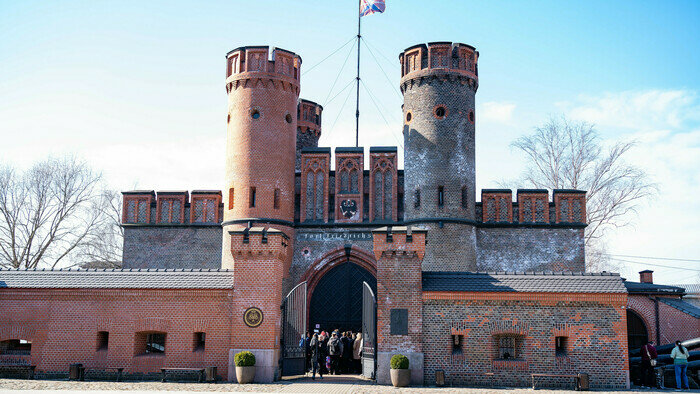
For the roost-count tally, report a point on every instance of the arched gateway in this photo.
(330, 296)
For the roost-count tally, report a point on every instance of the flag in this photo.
(368, 7)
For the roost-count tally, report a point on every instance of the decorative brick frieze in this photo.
(497, 205)
(533, 205)
(136, 206)
(204, 207)
(170, 207)
(383, 180)
(315, 168)
(570, 206)
(349, 185)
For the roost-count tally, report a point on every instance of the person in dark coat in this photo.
(335, 351)
(318, 356)
(649, 355)
(347, 352)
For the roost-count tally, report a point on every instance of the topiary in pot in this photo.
(245, 367)
(400, 374)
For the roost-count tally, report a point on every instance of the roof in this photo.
(537, 282)
(117, 279)
(648, 288)
(685, 307)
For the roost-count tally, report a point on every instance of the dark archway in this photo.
(637, 334)
(336, 301)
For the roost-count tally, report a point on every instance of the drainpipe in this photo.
(658, 326)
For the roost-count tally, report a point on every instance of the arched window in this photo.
(637, 334)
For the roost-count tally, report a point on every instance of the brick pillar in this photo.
(399, 252)
(259, 256)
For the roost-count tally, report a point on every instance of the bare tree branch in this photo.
(51, 213)
(570, 155)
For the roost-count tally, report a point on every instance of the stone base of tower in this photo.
(266, 364)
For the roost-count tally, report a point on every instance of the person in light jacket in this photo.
(357, 353)
(679, 354)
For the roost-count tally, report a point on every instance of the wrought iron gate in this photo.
(369, 332)
(293, 327)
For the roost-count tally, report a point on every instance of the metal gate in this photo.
(369, 332)
(293, 328)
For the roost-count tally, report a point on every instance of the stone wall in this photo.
(172, 246)
(530, 249)
(594, 325)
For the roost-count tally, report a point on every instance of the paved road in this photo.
(329, 385)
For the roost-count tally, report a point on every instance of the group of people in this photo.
(679, 355)
(337, 353)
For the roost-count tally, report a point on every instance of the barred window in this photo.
(506, 347)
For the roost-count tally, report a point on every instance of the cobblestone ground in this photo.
(329, 385)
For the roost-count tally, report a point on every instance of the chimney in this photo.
(646, 276)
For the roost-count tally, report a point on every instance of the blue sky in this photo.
(137, 87)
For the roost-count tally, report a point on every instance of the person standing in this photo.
(649, 355)
(350, 367)
(317, 356)
(680, 354)
(347, 351)
(357, 353)
(335, 350)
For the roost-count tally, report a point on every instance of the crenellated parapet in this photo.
(383, 181)
(258, 243)
(533, 206)
(399, 240)
(440, 59)
(262, 66)
(147, 207)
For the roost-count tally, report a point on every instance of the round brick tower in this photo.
(439, 81)
(308, 127)
(263, 91)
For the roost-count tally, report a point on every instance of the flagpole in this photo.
(357, 106)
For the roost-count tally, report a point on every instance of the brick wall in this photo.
(62, 325)
(399, 252)
(594, 324)
(673, 324)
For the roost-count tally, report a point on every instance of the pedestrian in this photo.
(307, 352)
(679, 354)
(348, 358)
(317, 356)
(357, 353)
(335, 350)
(347, 353)
(649, 355)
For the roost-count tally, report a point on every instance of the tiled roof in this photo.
(539, 282)
(117, 279)
(682, 306)
(639, 287)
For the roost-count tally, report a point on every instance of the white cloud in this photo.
(666, 126)
(497, 112)
(636, 110)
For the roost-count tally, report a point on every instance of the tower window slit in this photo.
(441, 196)
(252, 197)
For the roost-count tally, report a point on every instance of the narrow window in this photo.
(456, 344)
(199, 340)
(465, 197)
(441, 196)
(155, 343)
(506, 348)
(416, 199)
(276, 199)
(230, 198)
(252, 197)
(102, 340)
(560, 346)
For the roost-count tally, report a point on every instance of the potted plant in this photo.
(245, 367)
(400, 374)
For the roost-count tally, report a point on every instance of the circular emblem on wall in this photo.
(253, 317)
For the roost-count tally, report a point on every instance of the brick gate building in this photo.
(488, 291)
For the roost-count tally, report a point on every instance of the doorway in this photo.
(336, 301)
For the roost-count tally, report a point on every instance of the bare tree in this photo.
(49, 214)
(105, 250)
(570, 155)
